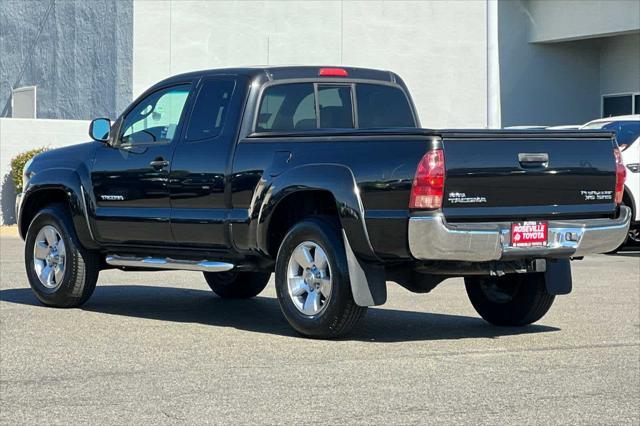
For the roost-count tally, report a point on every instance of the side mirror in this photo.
(99, 129)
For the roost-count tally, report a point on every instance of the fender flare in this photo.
(366, 271)
(68, 181)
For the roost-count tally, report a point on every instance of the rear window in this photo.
(336, 109)
(383, 106)
(293, 107)
(287, 107)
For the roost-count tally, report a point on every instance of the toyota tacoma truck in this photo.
(324, 176)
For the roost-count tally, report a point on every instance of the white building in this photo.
(467, 63)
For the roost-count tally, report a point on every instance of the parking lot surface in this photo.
(159, 347)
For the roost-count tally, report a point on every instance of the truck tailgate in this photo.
(525, 175)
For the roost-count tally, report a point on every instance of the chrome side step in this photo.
(162, 263)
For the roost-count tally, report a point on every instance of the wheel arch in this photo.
(56, 186)
(337, 194)
(293, 208)
(325, 189)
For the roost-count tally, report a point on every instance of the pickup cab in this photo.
(324, 176)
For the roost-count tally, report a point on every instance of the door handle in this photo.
(159, 163)
(533, 159)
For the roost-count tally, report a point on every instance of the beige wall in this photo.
(560, 20)
(438, 47)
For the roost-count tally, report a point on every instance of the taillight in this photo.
(428, 185)
(621, 175)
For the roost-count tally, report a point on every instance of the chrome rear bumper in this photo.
(432, 238)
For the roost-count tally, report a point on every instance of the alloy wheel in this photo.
(309, 278)
(49, 257)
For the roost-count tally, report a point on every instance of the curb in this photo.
(9, 231)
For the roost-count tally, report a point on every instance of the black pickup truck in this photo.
(324, 176)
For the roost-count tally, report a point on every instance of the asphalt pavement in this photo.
(159, 347)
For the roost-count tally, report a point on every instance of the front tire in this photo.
(237, 285)
(510, 300)
(312, 281)
(61, 272)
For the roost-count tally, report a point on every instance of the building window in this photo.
(23, 102)
(620, 104)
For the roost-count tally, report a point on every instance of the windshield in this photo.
(626, 131)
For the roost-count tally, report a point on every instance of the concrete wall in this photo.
(559, 81)
(78, 53)
(20, 134)
(561, 20)
(545, 84)
(620, 64)
(439, 48)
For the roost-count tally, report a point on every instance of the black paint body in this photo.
(217, 198)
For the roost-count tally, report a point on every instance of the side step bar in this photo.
(161, 263)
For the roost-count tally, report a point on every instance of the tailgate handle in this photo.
(533, 159)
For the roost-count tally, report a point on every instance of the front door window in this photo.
(155, 119)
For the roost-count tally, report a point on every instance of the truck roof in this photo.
(283, 72)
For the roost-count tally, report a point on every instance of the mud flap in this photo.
(558, 276)
(368, 283)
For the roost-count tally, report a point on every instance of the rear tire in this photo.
(312, 281)
(633, 239)
(511, 300)
(237, 285)
(61, 272)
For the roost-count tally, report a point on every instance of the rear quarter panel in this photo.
(383, 167)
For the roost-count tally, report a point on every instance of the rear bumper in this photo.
(432, 238)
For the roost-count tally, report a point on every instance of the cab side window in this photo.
(155, 119)
(210, 110)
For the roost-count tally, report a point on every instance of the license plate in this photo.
(529, 234)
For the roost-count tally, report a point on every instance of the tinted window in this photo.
(210, 109)
(155, 118)
(336, 111)
(287, 107)
(637, 104)
(382, 106)
(626, 131)
(617, 105)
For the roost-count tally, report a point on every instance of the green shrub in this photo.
(18, 162)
